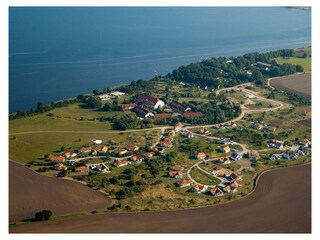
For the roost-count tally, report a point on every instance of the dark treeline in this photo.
(223, 72)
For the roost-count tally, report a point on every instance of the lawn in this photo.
(204, 178)
(73, 117)
(28, 147)
(304, 62)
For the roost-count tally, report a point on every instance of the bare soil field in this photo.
(281, 203)
(306, 122)
(30, 192)
(298, 83)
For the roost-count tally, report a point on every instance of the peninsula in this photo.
(200, 136)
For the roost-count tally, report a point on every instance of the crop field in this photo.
(299, 83)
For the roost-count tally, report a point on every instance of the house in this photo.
(180, 106)
(234, 176)
(275, 156)
(225, 160)
(247, 72)
(84, 150)
(235, 183)
(254, 155)
(165, 143)
(216, 192)
(147, 154)
(188, 134)
(162, 116)
(231, 124)
(150, 102)
(264, 66)
(81, 169)
(103, 168)
(217, 126)
(203, 131)
(226, 187)
(225, 149)
(101, 151)
(171, 132)
(117, 94)
(155, 148)
(104, 97)
(275, 143)
(136, 158)
(59, 167)
(184, 183)
(224, 141)
(57, 159)
(199, 188)
(290, 155)
(200, 155)
(119, 163)
(235, 156)
(304, 142)
(168, 138)
(175, 174)
(176, 168)
(258, 126)
(67, 154)
(192, 114)
(177, 128)
(128, 106)
(120, 151)
(142, 112)
(132, 148)
(97, 141)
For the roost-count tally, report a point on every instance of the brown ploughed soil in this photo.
(298, 83)
(306, 122)
(30, 192)
(281, 203)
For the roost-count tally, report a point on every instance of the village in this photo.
(217, 180)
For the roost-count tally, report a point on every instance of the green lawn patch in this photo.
(204, 178)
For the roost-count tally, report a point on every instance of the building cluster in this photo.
(220, 126)
(263, 127)
(145, 106)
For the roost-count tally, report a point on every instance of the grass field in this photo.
(73, 117)
(28, 147)
(204, 178)
(304, 62)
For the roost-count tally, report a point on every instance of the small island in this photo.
(199, 136)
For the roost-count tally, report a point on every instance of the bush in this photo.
(43, 215)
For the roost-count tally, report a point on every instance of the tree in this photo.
(95, 92)
(299, 68)
(257, 77)
(43, 215)
(94, 102)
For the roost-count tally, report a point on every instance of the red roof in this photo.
(128, 106)
(81, 169)
(179, 105)
(132, 147)
(163, 115)
(183, 183)
(141, 111)
(192, 114)
(57, 158)
(150, 100)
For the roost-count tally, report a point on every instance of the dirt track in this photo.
(30, 192)
(280, 203)
(298, 83)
